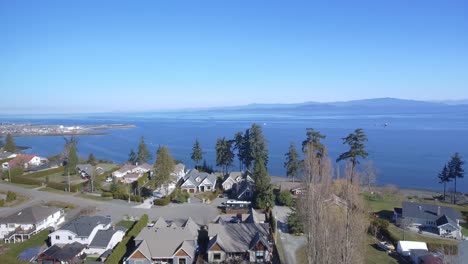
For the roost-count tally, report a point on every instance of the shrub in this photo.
(64, 186)
(11, 196)
(272, 222)
(284, 199)
(163, 201)
(106, 194)
(2, 202)
(119, 251)
(294, 223)
(124, 196)
(182, 197)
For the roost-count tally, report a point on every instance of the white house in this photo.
(105, 240)
(29, 221)
(25, 160)
(196, 181)
(82, 229)
(179, 172)
(235, 177)
(129, 168)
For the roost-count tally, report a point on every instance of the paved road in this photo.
(290, 243)
(117, 209)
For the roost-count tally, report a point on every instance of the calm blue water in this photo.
(409, 152)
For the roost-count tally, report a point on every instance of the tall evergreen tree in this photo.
(356, 149)
(163, 167)
(224, 154)
(92, 159)
(456, 170)
(444, 177)
(10, 145)
(72, 159)
(246, 150)
(292, 163)
(132, 157)
(259, 144)
(197, 154)
(143, 153)
(314, 138)
(263, 196)
(238, 145)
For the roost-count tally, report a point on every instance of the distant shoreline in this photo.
(28, 130)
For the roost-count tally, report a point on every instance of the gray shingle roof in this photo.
(193, 174)
(236, 237)
(86, 168)
(162, 241)
(29, 215)
(83, 226)
(429, 211)
(67, 252)
(103, 237)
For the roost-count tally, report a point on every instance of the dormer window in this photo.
(198, 179)
(238, 179)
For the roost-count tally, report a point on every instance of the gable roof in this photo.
(236, 237)
(163, 241)
(103, 237)
(446, 220)
(255, 217)
(144, 166)
(83, 226)
(86, 168)
(67, 252)
(126, 168)
(191, 226)
(429, 211)
(193, 174)
(21, 159)
(29, 215)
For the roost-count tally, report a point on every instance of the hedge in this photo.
(119, 251)
(124, 196)
(40, 174)
(163, 201)
(448, 249)
(106, 194)
(64, 186)
(26, 180)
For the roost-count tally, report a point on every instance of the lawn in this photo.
(26, 186)
(37, 240)
(59, 177)
(59, 204)
(125, 223)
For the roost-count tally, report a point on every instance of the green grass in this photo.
(375, 255)
(37, 240)
(125, 223)
(59, 204)
(94, 197)
(26, 186)
(59, 177)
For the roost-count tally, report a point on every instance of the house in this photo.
(85, 170)
(72, 253)
(235, 177)
(127, 168)
(131, 177)
(239, 242)
(25, 161)
(405, 247)
(6, 155)
(82, 229)
(29, 221)
(105, 240)
(253, 216)
(441, 220)
(294, 187)
(166, 243)
(179, 172)
(196, 181)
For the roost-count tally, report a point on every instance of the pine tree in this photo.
(263, 196)
(292, 163)
(163, 167)
(72, 160)
(259, 144)
(224, 154)
(314, 137)
(456, 170)
(92, 159)
(356, 149)
(143, 153)
(132, 157)
(238, 145)
(10, 145)
(444, 177)
(197, 154)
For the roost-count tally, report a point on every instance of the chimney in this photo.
(438, 211)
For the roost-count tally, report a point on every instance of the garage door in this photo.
(192, 190)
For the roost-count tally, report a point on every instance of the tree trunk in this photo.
(455, 191)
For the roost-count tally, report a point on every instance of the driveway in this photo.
(289, 242)
(117, 209)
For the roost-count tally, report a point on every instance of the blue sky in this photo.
(95, 56)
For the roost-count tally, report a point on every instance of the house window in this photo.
(208, 188)
(182, 261)
(82, 239)
(57, 237)
(217, 256)
(259, 254)
(70, 238)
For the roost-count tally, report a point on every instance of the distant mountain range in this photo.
(366, 106)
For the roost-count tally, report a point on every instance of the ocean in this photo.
(409, 152)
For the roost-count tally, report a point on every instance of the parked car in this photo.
(386, 246)
(109, 179)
